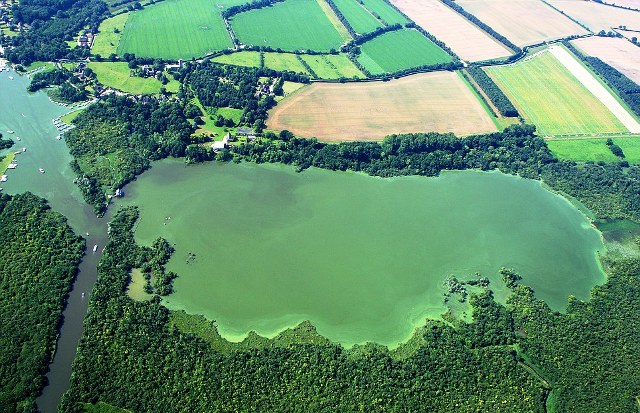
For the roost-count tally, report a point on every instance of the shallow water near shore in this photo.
(261, 247)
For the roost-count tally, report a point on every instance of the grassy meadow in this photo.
(243, 58)
(290, 25)
(177, 29)
(548, 95)
(630, 147)
(358, 16)
(107, 40)
(582, 150)
(332, 66)
(284, 61)
(118, 76)
(384, 12)
(399, 50)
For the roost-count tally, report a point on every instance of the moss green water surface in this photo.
(261, 247)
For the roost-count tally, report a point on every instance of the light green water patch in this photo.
(30, 116)
(135, 289)
(262, 248)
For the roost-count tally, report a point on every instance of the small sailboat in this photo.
(10, 77)
(18, 138)
(95, 248)
(24, 150)
(10, 131)
(41, 170)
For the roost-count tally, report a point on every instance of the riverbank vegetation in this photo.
(38, 261)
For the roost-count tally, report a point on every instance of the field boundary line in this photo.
(595, 88)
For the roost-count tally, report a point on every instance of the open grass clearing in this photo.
(117, 75)
(548, 95)
(619, 53)
(358, 16)
(333, 66)
(399, 50)
(582, 150)
(438, 101)
(386, 13)
(598, 16)
(523, 21)
(465, 39)
(290, 25)
(630, 147)
(177, 29)
(4, 162)
(229, 113)
(284, 61)
(244, 58)
(108, 37)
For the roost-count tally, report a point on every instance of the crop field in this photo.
(553, 99)
(598, 16)
(523, 21)
(358, 16)
(284, 61)
(117, 75)
(619, 53)
(383, 11)
(177, 29)
(464, 38)
(633, 4)
(332, 66)
(243, 58)
(399, 50)
(290, 25)
(107, 40)
(438, 101)
(582, 150)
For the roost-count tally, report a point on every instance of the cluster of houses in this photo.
(250, 135)
(85, 39)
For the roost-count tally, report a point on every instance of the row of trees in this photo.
(38, 261)
(495, 94)
(254, 5)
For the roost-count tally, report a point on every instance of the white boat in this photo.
(59, 137)
(10, 131)
(18, 138)
(10, 77)
(3, 178)
(24, 149)
(95, 248)
(41, 170)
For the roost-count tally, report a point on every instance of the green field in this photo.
(630, 147)
(244, 58)
(284, 61)
(118, 76)
(229, 113)
(5, 161)
(332, 66)
(358, 17)
(177, 29)
(550, 97)
(399, 50)
(290, 25)
(582, 150)
(106, 41)
(385, 12)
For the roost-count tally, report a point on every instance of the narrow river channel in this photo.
(30, 117)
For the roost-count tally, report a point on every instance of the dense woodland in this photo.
(38, 261)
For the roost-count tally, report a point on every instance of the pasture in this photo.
(619, 53)
(523, 21)
(177, 29)
(243, 58)
(582, 150)
(553, 99)
(384, 12)
(630, 147)
(464, 38)
(332, 66)
(598, 16)
(290, 25)
(438, 101)
(117, 75)
(358, 16)
(399, 50)
(107, 40)
(284, 61)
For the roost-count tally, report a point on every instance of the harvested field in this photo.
(632, 4)
(301, 25)
(438, 101)
(400, 50)
(523, 22)
(465, 39)
(619, 53)
(598, 16)
(553, 99)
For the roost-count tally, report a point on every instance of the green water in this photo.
(362, 258)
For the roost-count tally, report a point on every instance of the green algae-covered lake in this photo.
(261, 247)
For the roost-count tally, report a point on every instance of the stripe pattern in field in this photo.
(465, 39)
(437, 101)
(553, 99)
(523, 22)
(619, 53)
(360, 19)
(177, 29)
